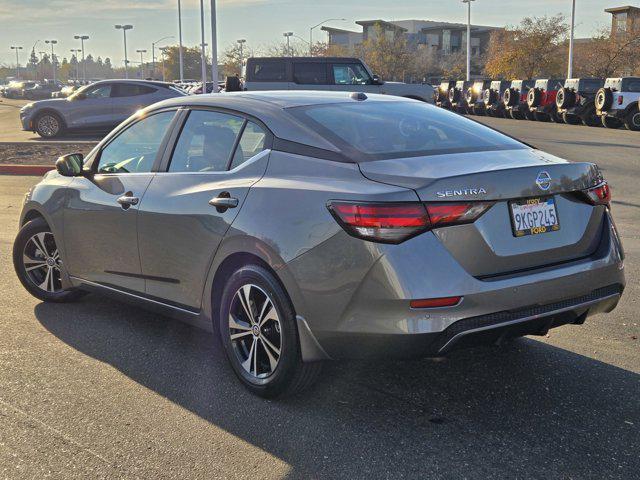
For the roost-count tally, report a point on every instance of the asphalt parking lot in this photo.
(99, 389)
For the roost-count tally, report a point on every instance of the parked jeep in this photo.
(325, 73)
(576, 101)
(541, 99)
(515, 99)
(492, 98)
(441, 94)
(457, 97)
(617, 103)
(475, 102)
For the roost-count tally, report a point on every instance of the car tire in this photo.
(589, 118)
(541, 117)
(570, 119)
(49, 125)
(38, 271)
(258, 329)
(604, 99)
(610, 122)
(632, 120)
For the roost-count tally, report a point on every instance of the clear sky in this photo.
(260, 22)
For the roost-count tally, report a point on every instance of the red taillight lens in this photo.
(600, 195)
(381, 222)
(435, 302)
(620, 99)
(396, 222)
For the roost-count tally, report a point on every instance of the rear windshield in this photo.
(380, 130)
(590, 85)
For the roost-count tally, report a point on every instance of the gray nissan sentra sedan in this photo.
(305, 226)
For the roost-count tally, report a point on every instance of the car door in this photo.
(91, 108)
(188, 208)
(349, 77)
(101, 211)
(128, 98)
(310, 75)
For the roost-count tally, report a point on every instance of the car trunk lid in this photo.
(489, 246)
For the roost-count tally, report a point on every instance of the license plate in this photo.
(533, 216)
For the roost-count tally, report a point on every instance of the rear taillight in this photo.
(396, 222)
(599, 195)
(435, 302)
(620, 99)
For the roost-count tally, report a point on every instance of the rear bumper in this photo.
(611, 113)
(481, 330)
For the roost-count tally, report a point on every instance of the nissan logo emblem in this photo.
(543, 180)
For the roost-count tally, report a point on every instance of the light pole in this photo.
(53, 58)
(82, 38)
(468, 2)
(573, 21)
(42, 54)
(241, 42)
(214, 48)
(153, 54)
(163, 49)
(16, 48)
(141, 52)
(288, 35)
(124, 29)
(202, 52)
(180, 48)
(316, 26)
(75, 52)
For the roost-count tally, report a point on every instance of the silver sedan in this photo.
(307, 226)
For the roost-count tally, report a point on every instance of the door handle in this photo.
(127, 200)
(224, 202)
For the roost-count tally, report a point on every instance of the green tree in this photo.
(192, 63)
(387, 55)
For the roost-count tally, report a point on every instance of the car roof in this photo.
(270, 108)
(141, 82)
(306, 59)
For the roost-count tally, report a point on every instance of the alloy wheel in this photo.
(41, 261)
(48, 125)
(255, 331)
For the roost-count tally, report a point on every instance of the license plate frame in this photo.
(520, 206)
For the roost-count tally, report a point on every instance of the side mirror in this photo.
(377, 80)
(70, 165)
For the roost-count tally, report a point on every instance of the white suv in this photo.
(617, 103)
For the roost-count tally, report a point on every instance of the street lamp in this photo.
(316, 26)
(288, 35)
(573, 21)
(53, 58)
(180, 49)
(214, 48)
(124, 29)
(82, 38)
(241, 42)
(153, 54)
(468, 2)
(16, 48)
(141, 51)
(163, 50)
(75, 52)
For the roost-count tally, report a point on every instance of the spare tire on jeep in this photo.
(533, 97)
(510, 97)
(490, 96)
(454, 95)
(470, 96)
(604, 99)
(565, 98)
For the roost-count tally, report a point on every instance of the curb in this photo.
(36, 170)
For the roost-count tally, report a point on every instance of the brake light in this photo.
(435, 302)
(600, 195)
(397, 222)
(620, 99)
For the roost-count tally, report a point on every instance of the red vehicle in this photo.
(541, 99)
(515, 99)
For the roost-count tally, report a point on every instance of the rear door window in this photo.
(269, 71)
(631, 85)
(310, 73)
(206, 142)
(252, 142)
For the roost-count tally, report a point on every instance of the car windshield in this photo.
(377, 130)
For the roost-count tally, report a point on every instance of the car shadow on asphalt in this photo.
(526, 409)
